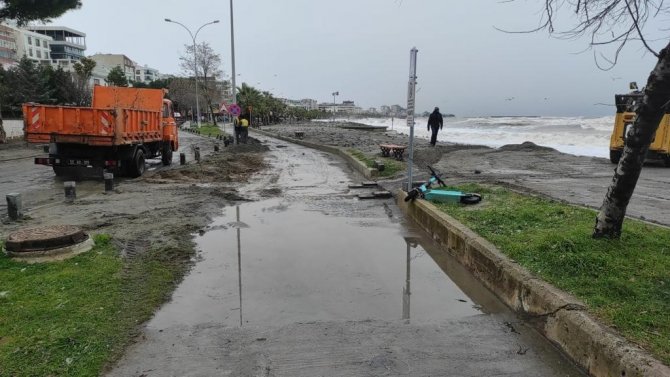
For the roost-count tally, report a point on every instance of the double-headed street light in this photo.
(195, 60)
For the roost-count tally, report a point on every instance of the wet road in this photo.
(39, 186)
(315, 282)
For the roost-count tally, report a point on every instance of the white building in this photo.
(66, 43)
(348, 107)
(33, 45)
(146, 74)
(306, 103)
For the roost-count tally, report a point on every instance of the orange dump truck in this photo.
(124, 127)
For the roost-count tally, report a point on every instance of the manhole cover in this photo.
(44, 238)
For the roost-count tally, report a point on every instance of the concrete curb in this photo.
(367, 172)
(559, 316)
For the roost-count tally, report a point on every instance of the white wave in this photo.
(574, 135)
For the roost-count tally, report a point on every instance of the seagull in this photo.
(509, 99)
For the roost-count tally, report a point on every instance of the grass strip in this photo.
(625, 282)
(391, 166)
(72, 318)
(208, 129)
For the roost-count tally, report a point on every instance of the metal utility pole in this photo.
(195, 59)
(411, 93)
(232, 50)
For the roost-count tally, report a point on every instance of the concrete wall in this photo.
(563, 319)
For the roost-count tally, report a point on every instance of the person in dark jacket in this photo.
(435, 123)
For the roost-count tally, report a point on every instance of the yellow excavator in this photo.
(659, 149)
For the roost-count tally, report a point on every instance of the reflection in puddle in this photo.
(239, 226)
(316, 255)
(302, 265)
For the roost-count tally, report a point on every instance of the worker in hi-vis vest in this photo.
(244, 128)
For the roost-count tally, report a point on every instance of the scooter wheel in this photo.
(471, 198)
(412, 195)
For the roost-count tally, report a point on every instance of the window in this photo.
(37, 42)
(39, 54)
(30, 52)
(30, 40)
(96, 81)
(138, 72)
(45, 44)
(46, 55)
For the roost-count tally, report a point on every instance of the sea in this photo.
(581, 136)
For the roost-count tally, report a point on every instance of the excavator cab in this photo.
(626, 107)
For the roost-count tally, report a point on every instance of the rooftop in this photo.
(66, 30)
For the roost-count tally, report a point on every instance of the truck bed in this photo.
(91, 126)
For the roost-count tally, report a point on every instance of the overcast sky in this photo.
(311, 48)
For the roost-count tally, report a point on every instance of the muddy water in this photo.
(317, 253)
(317, 282)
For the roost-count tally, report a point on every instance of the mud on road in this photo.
(158, 210)
(525, 167)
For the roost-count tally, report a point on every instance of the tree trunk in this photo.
(649, 114)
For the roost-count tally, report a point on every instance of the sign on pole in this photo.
(411, 93)
(235, 109)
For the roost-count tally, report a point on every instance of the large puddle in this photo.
(317, 254)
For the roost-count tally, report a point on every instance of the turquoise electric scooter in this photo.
(444, 196)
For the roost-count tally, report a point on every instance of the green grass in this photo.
(625, 282)
(208, 129)
(391, 166)
(71, 318)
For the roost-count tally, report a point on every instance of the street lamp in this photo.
(232, 49)
(334, 94)
(195, 60)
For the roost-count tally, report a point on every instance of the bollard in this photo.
(216, 147)
(14, 206)
(70, 191)
(197, 154)
(182, 159)
(109, 181)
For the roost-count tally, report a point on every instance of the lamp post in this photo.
(232, 49)
(334, 94)
(195, 60)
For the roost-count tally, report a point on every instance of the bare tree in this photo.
(615, 23)
(83, 69)
(208, 70)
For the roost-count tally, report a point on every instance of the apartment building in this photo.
(65, 44)
(146, 74)
(306, 103)
(348, 107)
(34, 46)
(8, 45)
(109, 61)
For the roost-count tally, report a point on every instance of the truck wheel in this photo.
(137, 165)
(615, 156)
(166, 154)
